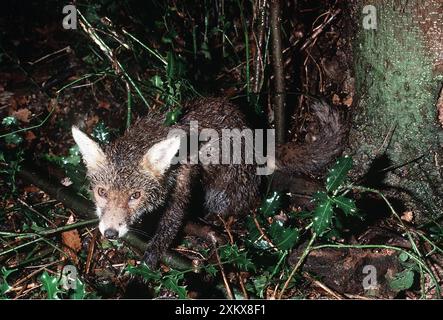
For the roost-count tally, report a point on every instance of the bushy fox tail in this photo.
(311, 159)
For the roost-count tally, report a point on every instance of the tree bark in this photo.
(396, 138)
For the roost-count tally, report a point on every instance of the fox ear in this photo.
(92, 154)
(159, 157)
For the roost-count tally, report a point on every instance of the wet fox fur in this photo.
(134, 176)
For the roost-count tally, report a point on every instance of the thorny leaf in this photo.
(283, 238)
(171, 282)
(347, 205)
(338, 173)
(271, 204)
(50, 285)
(144, 271)
(322, 214)
(79, 292)
(232, 254)
(4, 286)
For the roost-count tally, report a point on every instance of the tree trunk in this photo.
(396, 138)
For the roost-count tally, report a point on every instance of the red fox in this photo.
(137, 175)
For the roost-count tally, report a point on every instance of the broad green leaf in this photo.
(8, 121)
(144, 271)
(50, 285)
(402, 280)
(338, 173)
(322, 216)
(283, 238)
(271, 204)
(347, 205)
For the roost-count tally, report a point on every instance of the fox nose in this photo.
(111, 234)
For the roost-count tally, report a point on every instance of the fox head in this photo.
(126, 179)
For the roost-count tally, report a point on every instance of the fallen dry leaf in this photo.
(104, 105)
(30, 136)
(407, 216)
(22, 115)
(71, 240)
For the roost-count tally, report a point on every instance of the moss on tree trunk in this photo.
(398, 71)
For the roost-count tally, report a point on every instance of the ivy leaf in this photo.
(322, 215)
(144, 271)
(50, 285)
(172, 116)
(347, 205)
(271, 204)
(402, 280)
(283, 238)
(9, 121)
(338, 173)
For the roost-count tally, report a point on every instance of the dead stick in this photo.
(279, 77)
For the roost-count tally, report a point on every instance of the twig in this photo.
(323, 286)
(238, 275)
(262, 234)
(279, 77)
(222, 271)
(67, 49)
(91, 251)
(297, 266)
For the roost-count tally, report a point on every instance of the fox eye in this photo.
(135, 195)
(102, 192)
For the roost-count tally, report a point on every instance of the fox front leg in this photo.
(171, 221)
